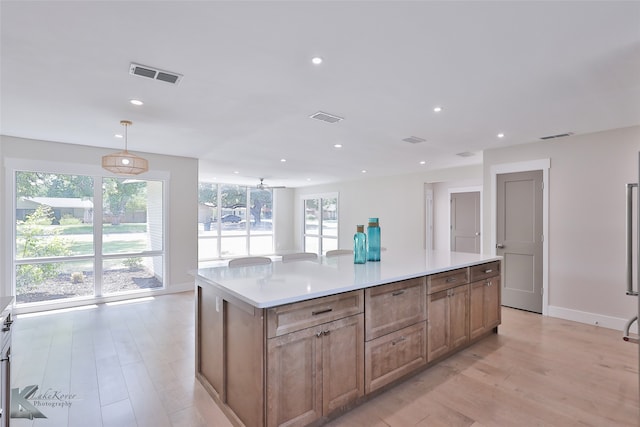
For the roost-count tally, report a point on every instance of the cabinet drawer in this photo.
(391, 307)
(446, 280)
(394, 355)
(482, 271)
(305, 314)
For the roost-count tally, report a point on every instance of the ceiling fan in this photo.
(263, 186)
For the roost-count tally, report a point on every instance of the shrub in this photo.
(68, 219)
(133, 263)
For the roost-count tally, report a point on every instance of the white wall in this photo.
(397, 200)
(182, 237)
(586, 220)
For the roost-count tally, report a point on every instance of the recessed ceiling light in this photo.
(236, 172)
(422, 162)
(337, 145)
(136, 102)
(308, 179)
(363, 171)
(437, 109)
(283, 160)
(501, 135)
(316, 60)
(118, 135)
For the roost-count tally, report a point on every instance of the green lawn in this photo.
(106, 228)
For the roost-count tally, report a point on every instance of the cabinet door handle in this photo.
(489, 283)
(326, 310)
(327, 332)
(396, 293)
(451, 279)
(399, 340)
(319, 334)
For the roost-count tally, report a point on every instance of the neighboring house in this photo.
(62, 206)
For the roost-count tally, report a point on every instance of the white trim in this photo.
(590, 318)
(544, 165)
(79, 302)
(302, 207)
(474, 189)
(13, 165)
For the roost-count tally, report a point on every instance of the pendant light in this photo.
(124, 162)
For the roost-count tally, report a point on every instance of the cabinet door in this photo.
(394, 355)
(459, 316)
(438, 324)
(477, 323)
(294, 378)
(391, 307)
(484, 306)
(342, 362)
(493, 308)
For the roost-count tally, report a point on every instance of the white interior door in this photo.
(519, 238)
(465, 222)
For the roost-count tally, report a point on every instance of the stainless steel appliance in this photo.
(633, 254)
(5, 366)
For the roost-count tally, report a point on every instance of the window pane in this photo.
(330, 217)
(329, 244)
(233, 211)
(311, 216)
(54, 215)
(207, 248)
(261, 212)
(53, 281)
(311, 244)
(133, 219)
(233, 246)
(207, 208)
(261, 245)
(131, 274)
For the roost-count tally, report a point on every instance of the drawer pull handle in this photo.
(399, 340)
(396, 293)
(326, 310)
(451, 279)
(488, 270)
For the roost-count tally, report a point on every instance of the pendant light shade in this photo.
(124, 162)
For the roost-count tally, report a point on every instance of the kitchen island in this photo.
(299, 343)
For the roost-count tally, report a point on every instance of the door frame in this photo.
(474, 189)
(544, 165)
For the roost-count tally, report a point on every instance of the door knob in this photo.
(500, 246)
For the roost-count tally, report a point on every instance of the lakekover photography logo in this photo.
(29, 403)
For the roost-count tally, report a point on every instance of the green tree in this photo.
(118, 192)
(36, 239)
(38, 184)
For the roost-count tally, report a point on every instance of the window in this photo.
(86, 236)
(234, 221)
(320, 223)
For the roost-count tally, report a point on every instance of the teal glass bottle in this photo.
(359, 246)
(373, 240)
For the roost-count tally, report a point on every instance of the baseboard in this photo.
(591, 318)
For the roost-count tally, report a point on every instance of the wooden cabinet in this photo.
(448, 321)
(303, 363)
(394, 306)
(484, 304)
(314, 371)
(395, 331)
(395, 355)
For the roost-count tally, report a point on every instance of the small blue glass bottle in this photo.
(373, 240)
(359, 246)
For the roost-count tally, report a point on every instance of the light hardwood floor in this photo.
(133, 365)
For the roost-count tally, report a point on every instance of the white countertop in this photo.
(280, 283)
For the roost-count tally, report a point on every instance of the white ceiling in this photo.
(528, 69)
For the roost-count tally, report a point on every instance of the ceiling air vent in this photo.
(326, 117)
(465, 154)
(154, 73)
(414, 140)
(560, 135)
